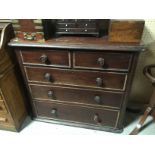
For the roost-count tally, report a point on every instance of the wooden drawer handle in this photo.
(99, 82)
(50, 94)
(44, 58)
(2, 119)
(97, 99)
(97, 119)
(100, 61)
(47, 77)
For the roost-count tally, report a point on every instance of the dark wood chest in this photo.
(79, 80)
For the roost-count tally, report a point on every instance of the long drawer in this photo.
(75, 20)
(72, 30)
(75, 113)
(57, 58)
(77, 25)
(81, 96)
(95, 79)
(102, 60)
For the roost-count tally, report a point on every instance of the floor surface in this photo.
(40, 128)
(41, 138)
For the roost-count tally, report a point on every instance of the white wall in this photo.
(141, 87)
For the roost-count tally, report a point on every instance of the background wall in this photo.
(141, 87)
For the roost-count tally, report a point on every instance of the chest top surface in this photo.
(83, 43)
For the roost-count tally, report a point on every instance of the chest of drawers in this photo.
(77, 81)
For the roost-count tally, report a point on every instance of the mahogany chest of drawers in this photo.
(78, 81)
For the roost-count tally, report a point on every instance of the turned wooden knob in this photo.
(97, 119)
(100, 61)
(97, 99)
(54, 112)
(44, 58)
(47, 77)
(99, 82)
(50, 94)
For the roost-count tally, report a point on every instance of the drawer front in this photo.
(93, 79)
(76, 25)
(82, 96)
(2, 107)
(47, 58)
(84, 30)
(66, 25)
(75, 113)
(75, 20)
(102, 60)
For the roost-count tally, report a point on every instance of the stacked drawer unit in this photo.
(86, 88)
(77, 26)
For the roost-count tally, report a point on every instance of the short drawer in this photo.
(46, 57)
(75, 20)
(77, 95)
(76, 113)
(84, 30)
(66, 25)
(91, 79)
(76, 25)
(102, 60)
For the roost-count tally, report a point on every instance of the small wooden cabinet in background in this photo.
(12, 107)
